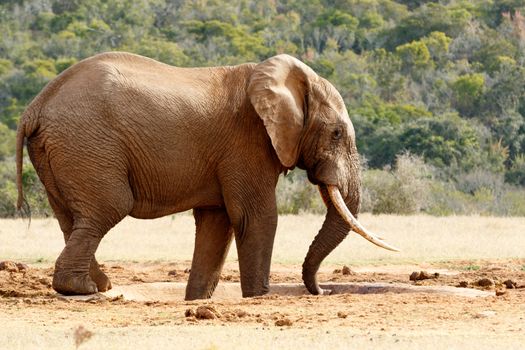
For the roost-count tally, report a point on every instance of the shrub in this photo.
(516, 174)
(295, 194)
(513, 202)
(34, 191)
(401, 191)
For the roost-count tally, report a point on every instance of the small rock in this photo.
(8, 266)
(22, 267)
(463, 284)
(206, 312)
(500, 292)
(510, 284)
(283, 322)
(119, 297)
(241, 313)
(189, 313)
(422, 275)
(45, 281)
(336, 271)
(172, 273)
(342, 314)
(346, 271)
(136, 279)
(485, 282)
(187, 270)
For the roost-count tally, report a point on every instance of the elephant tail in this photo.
(20, 137)
(26, 127)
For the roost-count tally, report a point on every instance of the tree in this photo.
(431, 17)
(468, 90)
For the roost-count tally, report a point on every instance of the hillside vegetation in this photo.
(435, 89)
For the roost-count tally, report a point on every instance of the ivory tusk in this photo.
(341, 207)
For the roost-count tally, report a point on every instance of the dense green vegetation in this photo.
(435, 88)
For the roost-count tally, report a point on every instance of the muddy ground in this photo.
(27, 299)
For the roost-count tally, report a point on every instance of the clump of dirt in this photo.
(463, 284)
(234, 315)
(501, 292)
(510, 284)
(189, 313)
(342, 314)
(172, 273)
(18, 280)
(207, 312)
(423, 275)
(283, 322)
(241, 313)
(11, 266)
(485, 282)
(346, 271)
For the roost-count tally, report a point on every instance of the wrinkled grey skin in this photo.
(119, 134)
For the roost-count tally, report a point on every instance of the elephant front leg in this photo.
(212, 241)
(254, 237)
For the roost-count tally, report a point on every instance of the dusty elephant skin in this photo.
(119, 134)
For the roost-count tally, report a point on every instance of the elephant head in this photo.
(309, 127)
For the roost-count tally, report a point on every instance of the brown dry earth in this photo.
(26, 299)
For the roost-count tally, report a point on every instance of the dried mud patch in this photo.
(28, 295)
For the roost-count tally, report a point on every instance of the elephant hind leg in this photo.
(212, 241)
(83, 216)
(76, 269)
(65, 220)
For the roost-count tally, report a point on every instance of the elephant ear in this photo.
(277, 90)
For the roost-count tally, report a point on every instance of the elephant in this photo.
(120, 134)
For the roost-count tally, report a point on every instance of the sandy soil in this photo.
(387, 320)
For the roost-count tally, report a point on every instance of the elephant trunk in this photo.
(332, 233)
(338, 222)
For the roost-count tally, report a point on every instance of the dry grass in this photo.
(421, 239)
(203, 337)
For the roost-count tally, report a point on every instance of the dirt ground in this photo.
(386, 320)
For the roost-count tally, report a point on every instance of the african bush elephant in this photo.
(118, 134)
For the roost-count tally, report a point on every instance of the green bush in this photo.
(34, 191)
(403, 190)
(516, 174)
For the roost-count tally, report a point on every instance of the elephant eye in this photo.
(336, 135)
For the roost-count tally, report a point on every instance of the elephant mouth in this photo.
(334, 196)
(321, 174)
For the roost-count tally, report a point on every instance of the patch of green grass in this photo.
(523, 268)
(472, 267)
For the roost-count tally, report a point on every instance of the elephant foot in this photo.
(100, 278)
(250, 293)
(73, 284)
